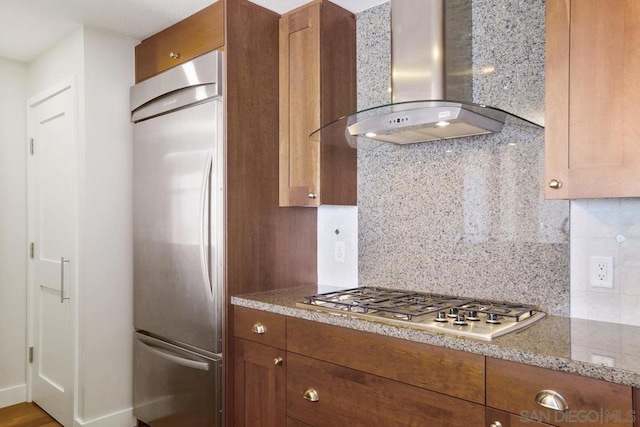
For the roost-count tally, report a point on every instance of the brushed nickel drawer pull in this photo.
(552, 400)
(258, 328)
(174, 55)
(555, 184)
(277, 361)
(496, 424)
(311, 395)
(312, 195)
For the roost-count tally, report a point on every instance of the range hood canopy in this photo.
(431, 55)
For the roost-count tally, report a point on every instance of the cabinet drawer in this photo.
(259, 326)
(347, 397)
(512, 387)
(295, 423)
(451, 372)
(200, 33)
(505, 419)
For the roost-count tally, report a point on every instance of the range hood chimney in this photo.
(432, 81)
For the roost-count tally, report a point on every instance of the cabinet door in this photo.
(260, 385)
(593, 98)
(317, 85)
(299, 106)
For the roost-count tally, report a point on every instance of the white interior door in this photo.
(53, 176)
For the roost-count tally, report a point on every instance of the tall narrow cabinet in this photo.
(317, 85)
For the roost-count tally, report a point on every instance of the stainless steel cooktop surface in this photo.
(480, 319)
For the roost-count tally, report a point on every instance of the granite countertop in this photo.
(606, 351)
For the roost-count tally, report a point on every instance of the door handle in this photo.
(167, 355)
(62, 263)
(205, 224)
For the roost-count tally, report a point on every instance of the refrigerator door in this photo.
(177, 206)
(174, 387)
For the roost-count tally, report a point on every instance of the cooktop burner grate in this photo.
(484, 319)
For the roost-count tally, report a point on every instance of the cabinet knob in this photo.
(312, 196)
(552, 400)
(496, 424)
(555, 184)
(311, 395)
(174, 55)
(258, 328)
(277, 361)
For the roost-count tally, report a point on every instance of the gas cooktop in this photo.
(480, 319)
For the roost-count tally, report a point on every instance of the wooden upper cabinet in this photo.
(200, 33)
(317, 85)
(593, 98)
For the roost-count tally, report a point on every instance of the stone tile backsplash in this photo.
(466, 216)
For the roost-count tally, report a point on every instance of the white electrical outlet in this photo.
(601, 271)
(339, 251)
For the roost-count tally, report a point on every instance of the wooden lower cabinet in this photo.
(270, 384)
(259, 326)
(295, 423)
(260, 385)
(495, 418)
(445, 371)
(346, 397)
(512, 387)
(334, 376)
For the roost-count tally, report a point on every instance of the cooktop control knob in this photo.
(472, 315)
(441, 317)
(453, 312)
(460, 320)
(493, 318)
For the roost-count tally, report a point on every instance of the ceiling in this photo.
(30, 27)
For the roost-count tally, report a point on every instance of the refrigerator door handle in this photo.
(169, 356)
(205, 223)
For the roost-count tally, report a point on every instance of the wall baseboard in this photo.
(13, 395)
(122, 418)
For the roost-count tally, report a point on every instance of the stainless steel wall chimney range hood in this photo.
(432, 82)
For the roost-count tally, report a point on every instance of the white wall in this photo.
(59, 63)
(13, 232)
(106, 270)
(103, 65)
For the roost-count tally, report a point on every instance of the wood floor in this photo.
(25, 415)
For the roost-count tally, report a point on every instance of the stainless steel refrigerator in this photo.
(178, 244)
